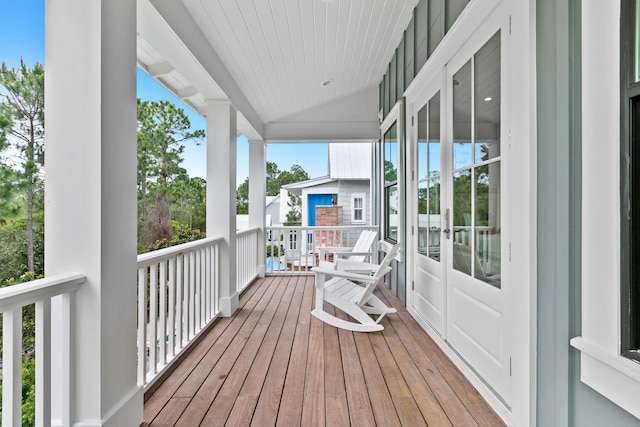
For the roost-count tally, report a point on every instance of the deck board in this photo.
(272, 363)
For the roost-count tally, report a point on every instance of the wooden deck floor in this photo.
(273, 363)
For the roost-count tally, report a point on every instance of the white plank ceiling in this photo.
(276, 54)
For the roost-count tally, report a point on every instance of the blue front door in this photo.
(317, 200)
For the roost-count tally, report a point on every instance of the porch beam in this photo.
(221, 194)
(257, 195)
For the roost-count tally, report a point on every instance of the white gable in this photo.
(350, 161)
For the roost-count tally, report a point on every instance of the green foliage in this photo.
(13, 247)
(242, 198)
(390, 172)
(275, 180)
(181, 234)
(22, 131)
(187, 201)
(28, 392)
(294, 216)
(163, 128)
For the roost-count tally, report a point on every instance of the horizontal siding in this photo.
(347, 189)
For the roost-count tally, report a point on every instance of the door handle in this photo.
(446, 230)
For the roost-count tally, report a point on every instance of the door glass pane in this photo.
(462, 221)
(423, 145)
(487, 223)
(434, 135)
(487, 100)
(434, 218)
(462, 151)
(391, 224)
(423, 218)
(391, 154)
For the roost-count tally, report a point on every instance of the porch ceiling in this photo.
(270, 59)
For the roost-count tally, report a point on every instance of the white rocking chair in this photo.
(353, 294)
(360, 251)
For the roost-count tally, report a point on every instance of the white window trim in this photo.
(394, 116)
(602, 367)
(355, 196)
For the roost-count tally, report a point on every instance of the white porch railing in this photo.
(12, 300)
(246, 257)
(177, 298)
(294, 250)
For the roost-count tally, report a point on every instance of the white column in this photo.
(90, 206)
(257, 195)
(221, 195)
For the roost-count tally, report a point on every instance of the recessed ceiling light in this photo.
(487, 99)
(327, 82)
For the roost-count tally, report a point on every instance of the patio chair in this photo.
(360, 251)
(353, 294)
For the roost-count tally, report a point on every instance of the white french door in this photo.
(429, 209)
(457, 209)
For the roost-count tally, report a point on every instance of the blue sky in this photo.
(22, 35)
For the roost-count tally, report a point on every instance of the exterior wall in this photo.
(274, 210)
(345, 191)
(562, 398)
(431, 20)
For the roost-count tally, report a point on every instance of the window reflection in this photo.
(390, 162)
(429, 225)
(476, 161)
(462, 151)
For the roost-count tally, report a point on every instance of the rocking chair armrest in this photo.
(347, 275)
(322, 249)
(360, 265)
(365, 253)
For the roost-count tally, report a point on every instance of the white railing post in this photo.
(221, 196)
(257, 195)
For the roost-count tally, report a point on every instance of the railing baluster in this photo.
(43, 362)
(12, 367)
(162, 318)
(171, 321)
(207, 264)
(153, 320)
(179, 300)
(216, 276)
(192, 291)
(198, 291)
(203, 288)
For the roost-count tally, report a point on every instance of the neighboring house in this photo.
(271, 216)
(272, 210)
(348, 185)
